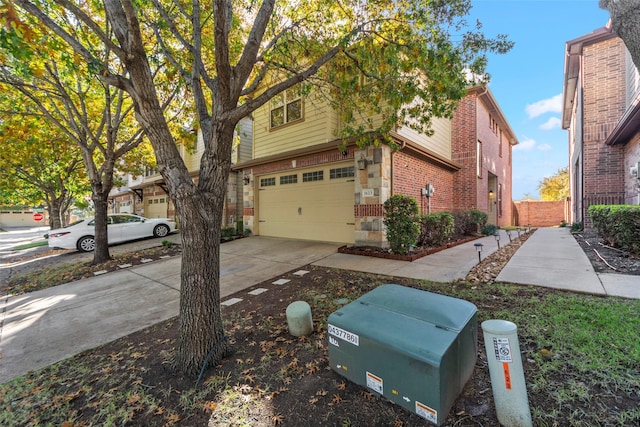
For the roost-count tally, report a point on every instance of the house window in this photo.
(493, 124)
(312, 176)
(286, 107)
(500, 143)
(347, 172)
(267, 182)
(148, 171)
(499, 200)
(288, 179)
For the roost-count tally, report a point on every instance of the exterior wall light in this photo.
(362, 162)
(492, 195)
(246, 180)
(479, 250)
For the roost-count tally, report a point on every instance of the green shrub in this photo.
(469, 222)
(239, 228)
(618, 225)
(400, 220)
(479, 218)
(576, 226)
(490, 230)
(228, 232)
(435, 229)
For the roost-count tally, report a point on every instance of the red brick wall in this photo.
(410, 176)
(539, 213)
(472, 123)
(604, 104)
(463, 152)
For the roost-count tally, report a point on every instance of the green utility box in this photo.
(416, 348)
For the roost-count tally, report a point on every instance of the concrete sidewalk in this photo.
(551, 257)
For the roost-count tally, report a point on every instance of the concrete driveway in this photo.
(44, 327)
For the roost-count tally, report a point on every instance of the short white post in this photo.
(507, 375)
(299, 318)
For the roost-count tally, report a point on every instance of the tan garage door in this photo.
(308, 204)
(156, 207)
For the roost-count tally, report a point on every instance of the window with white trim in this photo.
(286, 107)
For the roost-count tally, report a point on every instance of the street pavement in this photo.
(43, 327)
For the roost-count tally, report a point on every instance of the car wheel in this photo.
(160, 230)
(86, 244)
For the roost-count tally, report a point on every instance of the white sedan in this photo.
(120, 228)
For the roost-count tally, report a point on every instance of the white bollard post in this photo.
(299, 318)
(507, 375)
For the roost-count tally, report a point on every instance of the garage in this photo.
(156, 207)
(310, 204)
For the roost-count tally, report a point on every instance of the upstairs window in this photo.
(286, 107)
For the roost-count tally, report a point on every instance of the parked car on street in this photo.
(120, 228)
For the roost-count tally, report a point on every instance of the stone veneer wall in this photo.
(372, 189)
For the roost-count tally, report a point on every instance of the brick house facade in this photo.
(600, 111)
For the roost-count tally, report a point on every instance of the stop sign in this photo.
(38, 216)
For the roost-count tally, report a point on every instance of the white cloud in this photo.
(549, 105)
(544, 147)
(526, 144)
(552, 123)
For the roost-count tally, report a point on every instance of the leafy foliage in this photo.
(435, 229)
(619, 225)
(400, 213)
(469, 222)
(555, 187)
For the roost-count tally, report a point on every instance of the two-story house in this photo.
(300, 184)
(147, 195)
(601, 111)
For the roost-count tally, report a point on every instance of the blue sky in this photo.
(527, 82)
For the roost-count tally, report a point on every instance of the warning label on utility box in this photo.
(374, 383)
(502, 349)
(426, 412)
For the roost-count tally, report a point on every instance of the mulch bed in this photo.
(416, 253)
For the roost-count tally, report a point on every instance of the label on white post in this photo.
(502, 349)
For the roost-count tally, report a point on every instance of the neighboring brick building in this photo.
(601, 111)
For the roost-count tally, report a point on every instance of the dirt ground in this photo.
(273, 378)
(606, 259)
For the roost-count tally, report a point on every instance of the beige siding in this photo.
(245, 131)
(439, 142)
(192, 159)
(317, 127)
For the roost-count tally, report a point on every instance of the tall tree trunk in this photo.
(101, 252)
(55, 205)
(201, 338)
